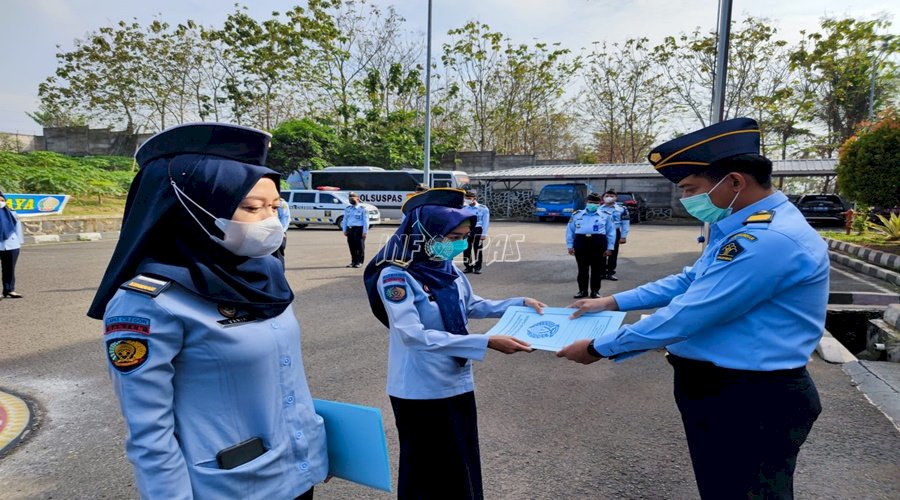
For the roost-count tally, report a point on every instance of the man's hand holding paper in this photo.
(555, 327)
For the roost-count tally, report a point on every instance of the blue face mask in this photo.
(591, 207)
(443, 250)
(702, 207)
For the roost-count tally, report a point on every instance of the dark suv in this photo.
(822, 208)
(636, 205)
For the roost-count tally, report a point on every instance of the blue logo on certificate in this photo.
(543, 330)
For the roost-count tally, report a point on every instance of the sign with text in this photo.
(26, 205)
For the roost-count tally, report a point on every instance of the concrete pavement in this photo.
(549, 429)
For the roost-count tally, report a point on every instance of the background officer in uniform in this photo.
(622, 221)
(590, 238)
(740, 324)
(355, 225)
(11, 237)
(284, 217)
(472, 257)
(203, 347)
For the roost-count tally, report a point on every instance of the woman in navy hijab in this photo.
(415, 290)
(10, 242)
(203, 347)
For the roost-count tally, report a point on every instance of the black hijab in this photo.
(215, 165)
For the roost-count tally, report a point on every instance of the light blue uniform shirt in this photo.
(483, 216)
(355, 215)
(16, 238)
(200, 387)
(420, 351)
(284, 215)
(620, 217)
(584, 222)
(754, 300)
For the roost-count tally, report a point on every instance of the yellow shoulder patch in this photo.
(146, 285)
(761, 216)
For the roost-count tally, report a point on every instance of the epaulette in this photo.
(765, 216)
(399, 263)
(146, 285)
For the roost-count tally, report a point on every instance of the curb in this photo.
(42, 239)
(16, 419)
(864, 268)
(886, 260)
(869, 378)
(833, 351)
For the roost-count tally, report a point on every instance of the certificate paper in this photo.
(554, 330)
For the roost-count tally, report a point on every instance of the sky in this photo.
(30, 30)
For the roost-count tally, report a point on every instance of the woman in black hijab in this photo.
(203, 346)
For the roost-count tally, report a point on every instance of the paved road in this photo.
(548, 429)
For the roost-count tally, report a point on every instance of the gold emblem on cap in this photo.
(655, 157)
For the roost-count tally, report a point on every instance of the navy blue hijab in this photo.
(407, 247)
(7, 222)
(159, 238)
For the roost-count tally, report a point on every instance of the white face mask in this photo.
(2, 204)
(250, 239)
(246, 239)
(609, 199)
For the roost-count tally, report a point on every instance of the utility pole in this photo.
(426, 175)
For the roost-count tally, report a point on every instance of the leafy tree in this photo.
(100, 76)
(869, 166)
(841, 61)
(302, 144)
(627, 99)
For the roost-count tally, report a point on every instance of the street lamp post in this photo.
(426, 174)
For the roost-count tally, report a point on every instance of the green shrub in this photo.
(869, 167)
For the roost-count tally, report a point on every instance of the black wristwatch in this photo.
(593, 352)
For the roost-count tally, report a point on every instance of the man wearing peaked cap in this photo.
(740, 324)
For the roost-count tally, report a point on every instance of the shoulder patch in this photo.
(399, 278)
(127, 354)
(395, 293)
(744, 235)
(134, 324)
(145, 285)
(761, 216)
(729, 251)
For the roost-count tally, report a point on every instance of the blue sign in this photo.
(26, 205)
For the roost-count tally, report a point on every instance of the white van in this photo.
(309, 206)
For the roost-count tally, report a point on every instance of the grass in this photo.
(90, 205)
(867, 239)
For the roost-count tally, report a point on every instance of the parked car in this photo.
(822, 208)
(636, 205)
(309, 206)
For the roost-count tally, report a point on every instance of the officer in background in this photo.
(355, 225)
(590, 237)
(284, 217)
(622, 220)
(477, 235)
(740, 324)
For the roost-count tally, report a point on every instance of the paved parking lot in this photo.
(549, 429)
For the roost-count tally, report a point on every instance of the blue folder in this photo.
(357, 447)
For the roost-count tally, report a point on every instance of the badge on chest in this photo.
(233, 317)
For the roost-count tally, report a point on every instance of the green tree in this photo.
(841, 60)
(628, 100)
(869, 166)
(302, 144)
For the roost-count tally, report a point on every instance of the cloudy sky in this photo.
(30, 30)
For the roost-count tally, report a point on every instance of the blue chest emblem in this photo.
(543, 330)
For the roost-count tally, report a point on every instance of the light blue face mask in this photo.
(443, 250)
(591, 207)
(702, 207)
